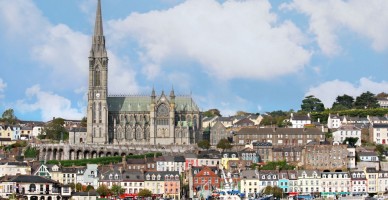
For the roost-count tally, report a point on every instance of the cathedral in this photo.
(144, 120)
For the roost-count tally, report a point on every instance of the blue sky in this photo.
(254, 55)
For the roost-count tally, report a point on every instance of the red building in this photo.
(206, 179)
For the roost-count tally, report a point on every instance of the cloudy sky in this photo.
(253, 55)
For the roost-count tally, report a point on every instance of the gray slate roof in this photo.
(142, 103)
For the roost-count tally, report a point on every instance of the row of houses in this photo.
(170, 184)
(318, 183)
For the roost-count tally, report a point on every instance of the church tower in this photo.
(97, 111)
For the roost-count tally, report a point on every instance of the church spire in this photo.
(98, 43)
(98, 31)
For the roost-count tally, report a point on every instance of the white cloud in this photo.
(62, 54)
(328, 91)
(3, 85)
(327, 18)
(233, 39)
(49, 104)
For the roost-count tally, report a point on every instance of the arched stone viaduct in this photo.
(85, 151)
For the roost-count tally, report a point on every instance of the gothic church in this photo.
(146, 120)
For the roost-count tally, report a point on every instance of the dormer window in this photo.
(148, 177)
(263, 177)
(153, 177)
(176, 177)
(116, 176)
(110, 176)
(158, 177)
(274, 176)
(166, 178)
(269, 176)
(226, 155)
(233, 155)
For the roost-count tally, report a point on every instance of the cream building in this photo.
(249, 182)
(335, 184)
(372, 176)
(309, 181)
(14, 168)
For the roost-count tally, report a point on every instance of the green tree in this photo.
(380, 148)
(117, 190)
(312, 104)
(72, 186)
(9, 117)
(103, 190)
(78, 187)
(281, 165)
(83, 122)
(343, 102)
(145, 193)
(275, 191)
(366, 100)
(224, 144)
(89, 188)
(382, 95)
(241, 113)
(31, 152)
(203, 144)
(55, 130)
(212, 112)
(350, 140)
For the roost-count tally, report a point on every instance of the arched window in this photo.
(162, 115)
(32, 187)
(97, 77)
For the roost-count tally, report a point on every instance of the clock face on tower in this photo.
(98, 95)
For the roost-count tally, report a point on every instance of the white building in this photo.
(382, 182)
(334, 121)
(309, 181)
(299, 121)
(366, 156)
(378, 133)
(335, 183)
(347, 131)
(14, 168)
(358, 183)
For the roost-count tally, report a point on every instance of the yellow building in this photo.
(228, 156)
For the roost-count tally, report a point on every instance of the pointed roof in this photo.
(98, 30)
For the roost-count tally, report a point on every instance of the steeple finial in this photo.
(153, 94)
(98, 30)
(172, 93)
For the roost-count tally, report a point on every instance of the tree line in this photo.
(366, 100)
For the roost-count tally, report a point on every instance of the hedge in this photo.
(101, 160)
